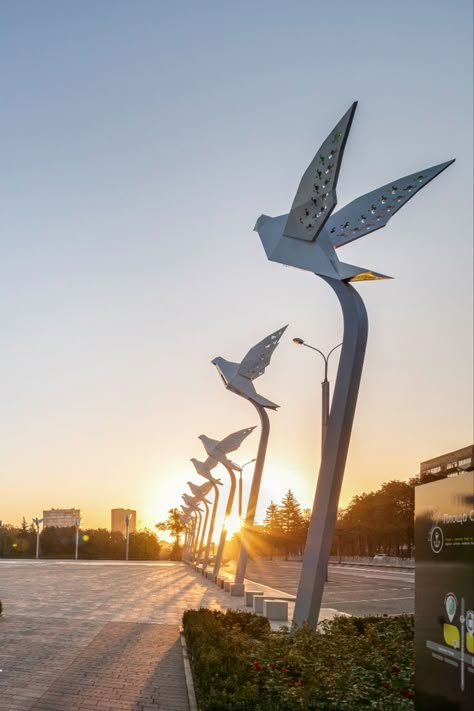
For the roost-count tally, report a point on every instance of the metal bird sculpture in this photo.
(200, 492)
(308, 236)
(203, 468)
(217, 450)
(238, 377)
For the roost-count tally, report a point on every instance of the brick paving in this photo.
(98, 635)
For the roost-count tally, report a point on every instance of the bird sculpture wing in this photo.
(372, 211)
(259, 356)
(234, 440)
(316, 196)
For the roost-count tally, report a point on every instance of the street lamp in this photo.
(192, 503)
(324, 386)
(37, 522)
(200, 493)
(307, 238)
(217, 451)
(204, 470)
(77, 523)
(240, 485)
(238, 378)
(128, 518)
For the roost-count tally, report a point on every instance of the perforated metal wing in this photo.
(372, 211)
(316, 196)
(234, 440)
(259, 356)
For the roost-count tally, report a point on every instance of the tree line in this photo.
(381, 521)
(93, 544)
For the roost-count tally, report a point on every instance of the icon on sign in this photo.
(436, 539)
(450, 603)
(470, 622)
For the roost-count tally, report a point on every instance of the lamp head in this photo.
(298, 341)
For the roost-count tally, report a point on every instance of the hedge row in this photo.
(347, 664)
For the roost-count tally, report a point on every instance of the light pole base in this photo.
(237, 589)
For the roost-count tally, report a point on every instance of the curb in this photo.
(188, 673)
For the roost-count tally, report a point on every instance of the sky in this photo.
(140, 141)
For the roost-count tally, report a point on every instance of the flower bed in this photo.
(347, 664)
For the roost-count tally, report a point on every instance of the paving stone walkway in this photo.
(97, 636)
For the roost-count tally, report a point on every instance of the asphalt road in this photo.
(360, 590)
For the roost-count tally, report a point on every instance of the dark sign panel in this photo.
(444, 594)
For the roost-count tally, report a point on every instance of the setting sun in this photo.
(233, 524)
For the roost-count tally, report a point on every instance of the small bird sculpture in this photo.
(200, 491)
(218, 449)
(239, 377)
(309, 234)
(204, 469)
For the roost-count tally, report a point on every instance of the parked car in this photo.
(380, 558)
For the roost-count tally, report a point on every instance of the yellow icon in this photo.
(470, 642)
(452, 636)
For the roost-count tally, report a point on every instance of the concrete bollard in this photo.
(276, 610)
(227, 585)
(258, 604)
(237, 589)
(220, 582)
(249, 596)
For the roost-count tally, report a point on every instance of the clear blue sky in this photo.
(140, 142)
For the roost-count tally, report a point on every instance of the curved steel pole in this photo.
(228, 511)
(334, 455)
(192, 529)
(203, 531)
(211, 528)
(196, 539)
(253, 495)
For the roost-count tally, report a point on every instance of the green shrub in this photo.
(346, 664)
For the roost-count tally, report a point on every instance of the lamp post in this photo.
(324, 386)
(37, 522)
(200, 493)
(128, 518)
(240, 484)
(307, 238)
(204, 469)
(77, 523)
(192, 503)
(238, 378)
(217, 451)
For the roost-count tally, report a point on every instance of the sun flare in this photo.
(233, 524)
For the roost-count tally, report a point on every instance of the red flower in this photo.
(257, 666)
(394, 669)
(386, 685)
(272, 667)
(407, 694)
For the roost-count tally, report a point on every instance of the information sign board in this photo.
(444, 594)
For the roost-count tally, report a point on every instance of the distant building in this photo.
(118, 520)
(449, 464)
(61, 518)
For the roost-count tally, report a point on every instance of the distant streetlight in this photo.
(37, 522)
(128, 518)
(240, 485)
(324, 386)
(77, 523)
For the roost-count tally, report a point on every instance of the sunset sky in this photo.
(140, 141)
